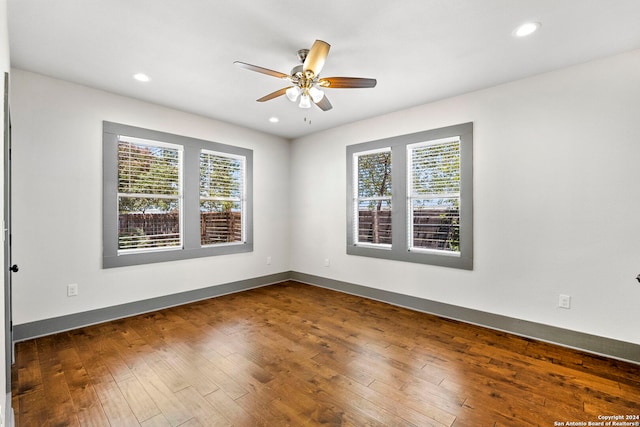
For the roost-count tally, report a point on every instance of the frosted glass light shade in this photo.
(305, 101)
(292, 93)
(316, 94)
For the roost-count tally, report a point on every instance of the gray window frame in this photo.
(399, 250)
(191, 198)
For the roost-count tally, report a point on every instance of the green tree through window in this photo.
(374, 197)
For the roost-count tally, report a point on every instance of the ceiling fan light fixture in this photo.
(305, 101)
(316, 94)
(305, 82)
(292, 93)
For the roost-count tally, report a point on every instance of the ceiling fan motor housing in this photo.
(297, 71)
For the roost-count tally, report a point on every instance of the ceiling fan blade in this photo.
(272, 95)
(316, 57)
(346, 82)
(262, 70)
(324, 104)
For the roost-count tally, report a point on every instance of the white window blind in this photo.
(372, 197)
(149, 195)
(434, 195)
(222, 198)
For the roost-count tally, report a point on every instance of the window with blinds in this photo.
(222, 198)
(410, 197)
(372, 197)
(434, 195)
(149, 195)
(169, 197)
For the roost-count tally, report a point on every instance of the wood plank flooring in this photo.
(296, 355)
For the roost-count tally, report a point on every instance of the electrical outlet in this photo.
(268, 260)
(564, 301)
(72, 290)
(327, 262)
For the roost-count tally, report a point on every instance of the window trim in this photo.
(399, 173)
(191, 198)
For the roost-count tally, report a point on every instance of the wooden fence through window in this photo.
(432, 228)
(215, 227)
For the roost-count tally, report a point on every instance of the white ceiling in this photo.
(418, 50)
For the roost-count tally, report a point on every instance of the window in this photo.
(411, 197)
(434, 195)
(149, 195)
(373, 197)
(169, 197)
(221, 198)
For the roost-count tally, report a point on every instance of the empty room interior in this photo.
(330, 213)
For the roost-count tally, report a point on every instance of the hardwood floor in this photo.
(297, 355)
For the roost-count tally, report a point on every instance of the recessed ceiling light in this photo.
(274, 119)
(141, 77)
(526, 29)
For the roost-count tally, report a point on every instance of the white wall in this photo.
(556, 198)
(57, 193)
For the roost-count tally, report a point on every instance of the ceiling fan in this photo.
(306, 80)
